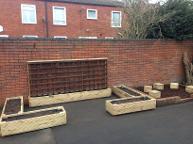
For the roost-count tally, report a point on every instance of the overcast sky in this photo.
(154, 1)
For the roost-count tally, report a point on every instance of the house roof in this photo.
(113, 3)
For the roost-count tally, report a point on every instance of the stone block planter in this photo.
(189, 89)
(174, 86)
(69, 97)
(155, 94)
(158, 86)
(147, 88)
(33, 120)
(129, 105)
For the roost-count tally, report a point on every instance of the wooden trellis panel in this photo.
(66, 76)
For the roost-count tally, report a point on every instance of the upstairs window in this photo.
(92, 14)
(28, 14)
(87, 37)
(59, 15)
(4, 36)
(60, 37)
(116, 19)
(30, 36)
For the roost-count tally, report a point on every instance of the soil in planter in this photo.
(167, 92)
(129, 91)
(140, 88)
(13, 106)
(32, 115)
(122, 101)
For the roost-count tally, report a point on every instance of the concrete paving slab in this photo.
(37, 137)
(89, 123)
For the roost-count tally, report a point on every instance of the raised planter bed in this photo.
(172, 96)
(124, 91)
(130, 105)
(12, 106)
(69, 97)
(32, 120)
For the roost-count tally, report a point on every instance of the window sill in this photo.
(29, 23)
(59, 24)
(116, 26)
(92, 18)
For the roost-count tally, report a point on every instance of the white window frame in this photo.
(1, 28)
(91, 18)
(60, 37)
(53, 11)
(112, 19)
(30, 36)
(22, 16)
(109, 37)
(87, 37)
(4, 36)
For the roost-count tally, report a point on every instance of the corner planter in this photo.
(130, 105)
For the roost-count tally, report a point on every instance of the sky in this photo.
(154, 1)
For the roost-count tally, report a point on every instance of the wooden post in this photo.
(188, 69)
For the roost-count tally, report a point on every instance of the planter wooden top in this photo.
(67, 60)
(129, 100)
(33, 114)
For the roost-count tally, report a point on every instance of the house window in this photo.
(30, 36)
(87, 37)
(28, 14)
(92, 14)
(116, 19)
(59, 15)
(4, 36)
(60, 37)
(109, 37)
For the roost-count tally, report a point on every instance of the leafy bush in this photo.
(178, 23)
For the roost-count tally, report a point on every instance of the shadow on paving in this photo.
(88, 123)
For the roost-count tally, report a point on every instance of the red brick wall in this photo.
(129, 62)
(77, 24)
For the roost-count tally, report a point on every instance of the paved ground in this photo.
(88, 123)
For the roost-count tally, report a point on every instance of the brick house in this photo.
(60, 18)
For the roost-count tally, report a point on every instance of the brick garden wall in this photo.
(130, 62)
